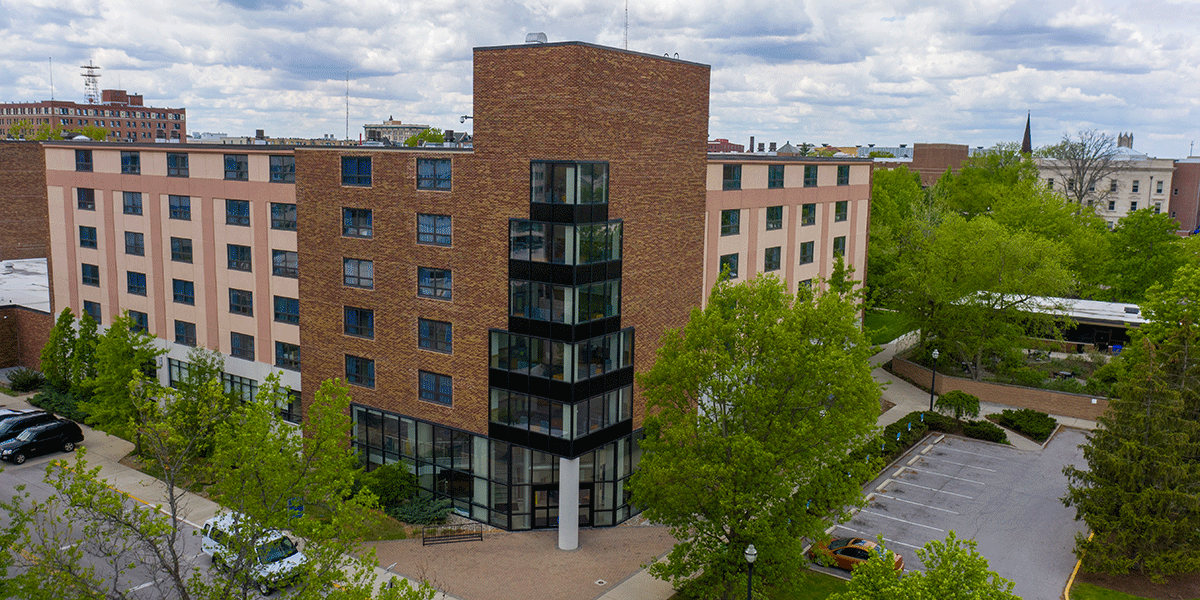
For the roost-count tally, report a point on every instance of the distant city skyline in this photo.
(874, 72)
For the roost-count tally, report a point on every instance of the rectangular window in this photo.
(808, 214)
(283, 169)
(185, 333)
(360, 371)
(132, 204)
(285, 263)
(730, 262)
(356, 170)
(177, 165)
(731, 177)
(358, 273)
(184, 292)
(287, 310)
(237, 212)
(568, 182)
(774, 176)
(241, 345)
(87, 236)
(810, 175)
(434, 335)
(1157, 208)
(433, 229)
(433, 174)
(90, 274)
(131, 163)
(86, 198)
(135, 283)
(287, 356)
(731, 222)
(135, 243)
(181, 250)
(83, 162)
(771, 259)
(179, 207)
(359, 322)
(237, 167)
(291, 410)
(434, 283)
(806, 252)
(283, 216)
(92, 309)
(1158, 187)
(1134, 187)
(241, 302)
(1049, 183)
(243, 388)
(1091, 186)
(1112, 205)
(437, 388)
(839, 245)
(1071, 185)
(841, 210)
(141, 321)
(1112, 185)
(1132, 206)
(843, 176)
(357, 222)
(239, 257)
(774, 218)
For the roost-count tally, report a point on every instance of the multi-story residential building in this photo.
(392, 131)
(487, 306)
(1135, 181)
(787, 215)
(124, 115)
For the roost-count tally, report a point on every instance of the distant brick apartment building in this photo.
(124, 115)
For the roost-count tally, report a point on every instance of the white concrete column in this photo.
(568, 503)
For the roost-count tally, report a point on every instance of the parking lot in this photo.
(1006, 499)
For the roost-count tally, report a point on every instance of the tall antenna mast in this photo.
(347, 106)
(51, 78)
(91, 87)
(626, 24)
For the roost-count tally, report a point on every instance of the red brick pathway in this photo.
(528, 565)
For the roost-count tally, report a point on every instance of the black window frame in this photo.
(89, 274)
(83, 161)
(239, 258)
(283, 168)
(174, 168)
(85, 198)
(135, 243)
(237, 212)
(843, 175)
(731, 177)
(237, 167)
(180, 253)
(131, 203)
(93, 309)
(352, 171)
(185, 333)
(356, 280)
(839, 241)
(131, 162)
(141, 321)
(358, 322)
(774, 177)
(241, 302)
(358, 223)
(731, 222)
(775, 221)
(179, 208)
(283, 216)
(772, 258)
(440, 284)
(283, 312)
(841, 211)
(183, 291)
(435, 394)
(807, 252)
(433, 180)
(287, 356)
(135, 283)
(435, 336)
(285, 263)
(429, 227)
(241, 345)
(732, 261)
(810, 176)
(87, 237)
(808, 214)
(363, 373)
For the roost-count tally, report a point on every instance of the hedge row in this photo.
(1026, 421)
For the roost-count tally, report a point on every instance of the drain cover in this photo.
(601, 582)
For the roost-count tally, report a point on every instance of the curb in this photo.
(1071, 581)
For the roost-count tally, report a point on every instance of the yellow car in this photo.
(848, 553)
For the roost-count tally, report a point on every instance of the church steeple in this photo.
(1026, 144)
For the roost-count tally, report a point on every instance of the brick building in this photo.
(23, 201)
(1185, 194)
(124, 115)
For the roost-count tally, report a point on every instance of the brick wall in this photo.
(1055, 403)
(23, 333)
(24, 231)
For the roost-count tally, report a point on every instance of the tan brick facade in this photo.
(24, 232)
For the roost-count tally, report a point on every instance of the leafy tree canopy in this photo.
(1144, 251)
(433, 135)
(953, 570)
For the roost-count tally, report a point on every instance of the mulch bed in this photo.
(1180, 587)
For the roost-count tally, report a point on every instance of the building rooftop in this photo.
(1094, 311)
(25, 283)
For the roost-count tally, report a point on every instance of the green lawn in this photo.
(882, 326)
(1087, 591)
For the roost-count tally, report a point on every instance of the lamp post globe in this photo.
(751, 554)
(933, 383)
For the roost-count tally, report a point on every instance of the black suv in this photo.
(40, 439)
(12, 426)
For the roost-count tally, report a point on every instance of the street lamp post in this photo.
(933, 383)
(751, 554)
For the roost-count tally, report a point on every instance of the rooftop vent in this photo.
(535, 38)
(1132, 310)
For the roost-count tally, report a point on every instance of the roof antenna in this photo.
(626, 24)
(51, 78)
(347, 106)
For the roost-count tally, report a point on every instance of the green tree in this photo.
(1144, 251)
(56, 354)
(1138, 494)
(958, 404)
(433, 135)
(753, 408)
(83, 357)
(953, 570)
(202, 379)
(900, 211)
(124, 354)
(93, 132)
(1083, 164)
(985, 180)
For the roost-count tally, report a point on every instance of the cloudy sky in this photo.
(820, 71)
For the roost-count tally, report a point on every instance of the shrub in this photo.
(421, 510)
(958, 403)
(391, 483)
(1027, 377)
(985, 430)
(25, 380)
(63, 404)
(1071, 386)
(942, 423)
(1035, 424)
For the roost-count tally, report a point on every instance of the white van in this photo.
(275, 562)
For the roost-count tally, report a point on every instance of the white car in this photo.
(274, 562)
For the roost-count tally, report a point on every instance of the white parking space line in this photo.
(916, 503)
(865, 535)
(867, 512)
(960, 464)
(968, 452)
(933, 489)
(944, 475)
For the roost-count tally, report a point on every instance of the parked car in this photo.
(12, 426)
(40, 439)
(272, 559)
(848, 553)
